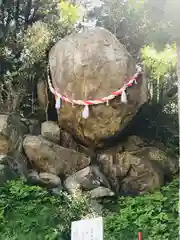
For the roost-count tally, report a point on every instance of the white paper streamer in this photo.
(123, 97)
(58, 103)
(85, 113)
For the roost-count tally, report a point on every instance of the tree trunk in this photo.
(178, 75)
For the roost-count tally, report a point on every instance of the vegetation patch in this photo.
(156, 215)
(30, 212)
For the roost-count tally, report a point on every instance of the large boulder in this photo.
(91, 65)
(49, 157)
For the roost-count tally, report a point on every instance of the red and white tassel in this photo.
(58, 102)
(123, 97)
(85, 113)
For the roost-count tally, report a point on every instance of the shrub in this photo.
(29, 212)
(156, 215)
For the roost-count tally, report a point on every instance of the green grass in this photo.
(30, 213)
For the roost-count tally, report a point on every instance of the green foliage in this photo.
(29, 212)
(135, 22)
(68, 12)
(39, 37)
(158, 119)
(159, 63)
(36, 42)
(156, 215)
(127, 21)
(161, 74)
(27, 31)
(160, 70)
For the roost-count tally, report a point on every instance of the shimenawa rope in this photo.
(87, 103)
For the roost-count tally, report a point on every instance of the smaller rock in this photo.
(3, 123)
(167, 163)
(67, 141)
(97, 207)
(42, 97)
(34, 127)
(33, 177)
(101, 192)
(4, 143)
(133, 143)
(12, 131)
(57, 191)
(44, 179)
(49, 157)
(3, 158)
(6, 174)
(51, 131)
(87, 179)
(16, 161)
(49, 179)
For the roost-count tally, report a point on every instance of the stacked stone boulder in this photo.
(132, 168)
(91, 65)
(87, 65)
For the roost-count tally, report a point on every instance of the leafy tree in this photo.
(28, 29)
(170, 21)
(135, 25)
(160, 70)
(126, 20)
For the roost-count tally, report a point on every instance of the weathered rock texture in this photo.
(101, 192)
(50, 157)
(86, 179)
(137, 169)
(51, 131)
(12, 132)
(91, 65)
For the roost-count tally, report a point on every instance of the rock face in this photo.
(6, 173)
(137, 171)
(4, 144)
(51, 131)
(50, 157)
(42, 97)
(44, 179)
(101, 192)
(12, 132)
(90, 65)
(49, 179)
(86, 179)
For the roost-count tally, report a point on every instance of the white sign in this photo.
(91, 229)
